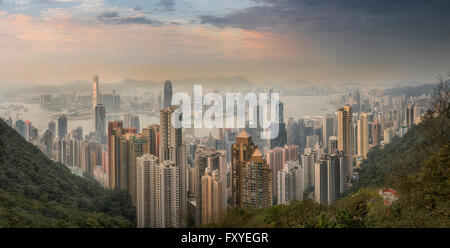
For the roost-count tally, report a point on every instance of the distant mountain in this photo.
(37, 192)
(209, 83)
(412, 90)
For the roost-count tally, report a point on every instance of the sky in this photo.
(321, 41)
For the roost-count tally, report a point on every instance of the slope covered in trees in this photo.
(417, 166)
(37, 192)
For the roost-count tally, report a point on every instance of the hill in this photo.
(37, 192)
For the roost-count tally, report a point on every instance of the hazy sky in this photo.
(331, 41)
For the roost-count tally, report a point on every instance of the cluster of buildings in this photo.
(176, 179)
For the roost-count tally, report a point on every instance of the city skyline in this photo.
(266, 41)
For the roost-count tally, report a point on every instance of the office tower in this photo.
(290, 185)
(173, 149)
(62, 126)
(151, 134)
(334, 177)
(357, 101)
(214, 202)
(77, 133)
(321, 181)
(167, 94)
(229, 138)
(292, 131)
(332, 145)
(20, 127)
(376, 133)
(95, 92)
(281, 139)
(157, 193)
(327, 129)
(345, 137)
(100, 123)
(251, 176)
(47, 140)
(307, 161)
(52, 128)
(409, 115)
(363, 135)
(132, 121)
(301, 135)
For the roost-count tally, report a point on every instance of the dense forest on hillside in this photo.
(417, 166)
(37, 192)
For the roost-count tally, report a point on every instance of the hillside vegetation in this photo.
(37, 192)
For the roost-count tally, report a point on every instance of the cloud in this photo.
(167, 5)
(111, 17)
(403, 18)
(137, 8)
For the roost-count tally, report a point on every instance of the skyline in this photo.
(321, 41)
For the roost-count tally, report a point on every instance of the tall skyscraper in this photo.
(207, 158)
(167, 94)
(172, 149)
(409, 115)
(289, 182)
(52, 128)
(332, 145)
(151, 134)
(100, 123)
(95, 92)
(281, 139)
(327, 129)
(363, 135)
(321, 181)
(115, 130)
(345, 137)
(62, 126)
(251, 176)
(376, 133)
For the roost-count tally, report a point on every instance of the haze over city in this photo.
(255, 114)
(319, 41)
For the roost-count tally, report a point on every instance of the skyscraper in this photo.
(321, 181)
(214, 201)
(157, 193)
(62, 126)
(281, 139)
(251, 176)
(167, 94)
(409, 115)
(172, 149)
(95, 92)
(214, 161)
(363, 135)
(327, 129)
(345, 137)
(100, 123)
(151, 134)
(376, 133)
(52, 128)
